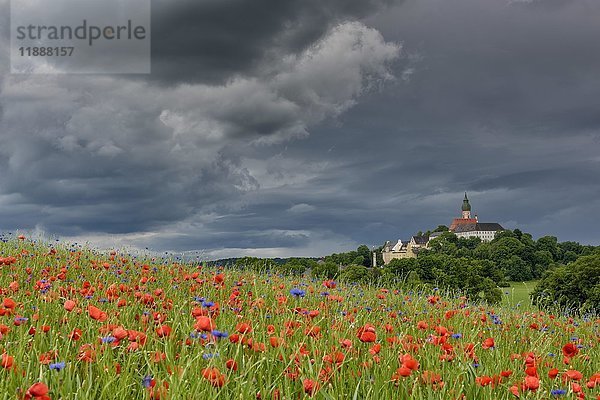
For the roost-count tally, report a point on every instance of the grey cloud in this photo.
(122, 156)
(212, 41)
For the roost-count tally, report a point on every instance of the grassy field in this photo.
(518, 293)
(81, 325)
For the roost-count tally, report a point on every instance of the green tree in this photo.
(327, 270)
(355, 273)
(568, 257)
(441, 228)
(401, 267)
(574, 285)
(292, 267)
(549, 243)
(516, 269)
(364, 252)
(446, 243)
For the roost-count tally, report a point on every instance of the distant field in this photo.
(518, 293)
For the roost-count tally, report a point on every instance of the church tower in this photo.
(466, 208)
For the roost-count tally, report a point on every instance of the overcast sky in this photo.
(307, 127)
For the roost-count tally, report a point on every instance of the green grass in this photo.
(518, 293)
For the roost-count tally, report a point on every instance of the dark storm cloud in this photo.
(212, 41)
(297, 141)
(502, 65)
(88, 156)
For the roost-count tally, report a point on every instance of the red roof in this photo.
(461, 221)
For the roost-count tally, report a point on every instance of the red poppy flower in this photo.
(214, 376)
(163, 331)
(375, 349)
(422, 325)
(75, 334)
(120, 333)
(488, 343)
(231, 364)
(38, 391)
(433, 379)
(7, 361)
(86, 353)
(409, 362)
(506, 374)
(514, 390)
(401, 372)
(9, 303)
(204, 324)
(593, 381)
(573, 375)
(310, 386)
(330, 284)
(243, 327)
(483, 380)
(570, 350)
(366, 333)
(531, 371)
(532, 383)
(97, 313)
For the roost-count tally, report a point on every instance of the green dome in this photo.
(466, 206)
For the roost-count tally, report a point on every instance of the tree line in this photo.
(569, 272)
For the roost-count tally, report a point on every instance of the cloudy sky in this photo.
(306, 127)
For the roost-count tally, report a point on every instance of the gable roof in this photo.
(420, 239)
(489, 226)
(461, 221)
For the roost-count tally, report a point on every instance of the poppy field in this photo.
(77, 324)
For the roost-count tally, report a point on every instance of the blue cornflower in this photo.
(558, 392)
(57, 366)
(108, 339)
(456, 335)
(207, 356)
(297, 292)
(219, 334)
(146, 381)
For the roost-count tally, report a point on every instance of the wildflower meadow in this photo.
(78, 324)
